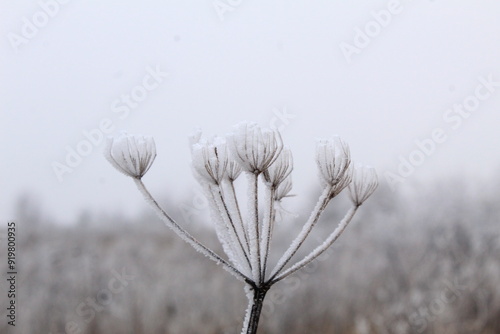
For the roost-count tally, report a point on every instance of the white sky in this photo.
(264, 56)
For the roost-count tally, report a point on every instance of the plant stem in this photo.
(234, 235)
(259, 293)
(267, 231)
(306, 229)
(238, 218)
(253, 226)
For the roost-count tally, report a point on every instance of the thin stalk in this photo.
(267, 230)
(255, 307)
(323, 201)
(253, 228)
(321, 248)
(236, 208)
(234, 235)
(184, 235)
(221, 228)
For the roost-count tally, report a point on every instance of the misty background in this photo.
(262, 59)
(386, 76)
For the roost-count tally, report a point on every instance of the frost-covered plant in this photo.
(259, 154)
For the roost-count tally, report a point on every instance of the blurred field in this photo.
(426, 263)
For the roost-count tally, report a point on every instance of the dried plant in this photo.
(259, 154)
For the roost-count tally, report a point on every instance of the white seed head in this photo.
(131, 155)
(283, 189)
(364, 182)
(233, 169)
(255, 149)
(334, 159)
(210, 159)
(280, 169)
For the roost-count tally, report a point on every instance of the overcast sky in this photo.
(413, 81)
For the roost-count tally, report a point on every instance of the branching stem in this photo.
(323, 201)
(226, 215)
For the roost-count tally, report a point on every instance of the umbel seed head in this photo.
(254, 148)
(210, 159)
(334, 160)
(283, 189)
(131, 155)
(233, 170)
(364, 182)
(280, 169)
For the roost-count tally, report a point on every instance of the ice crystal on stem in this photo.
(246, 239)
